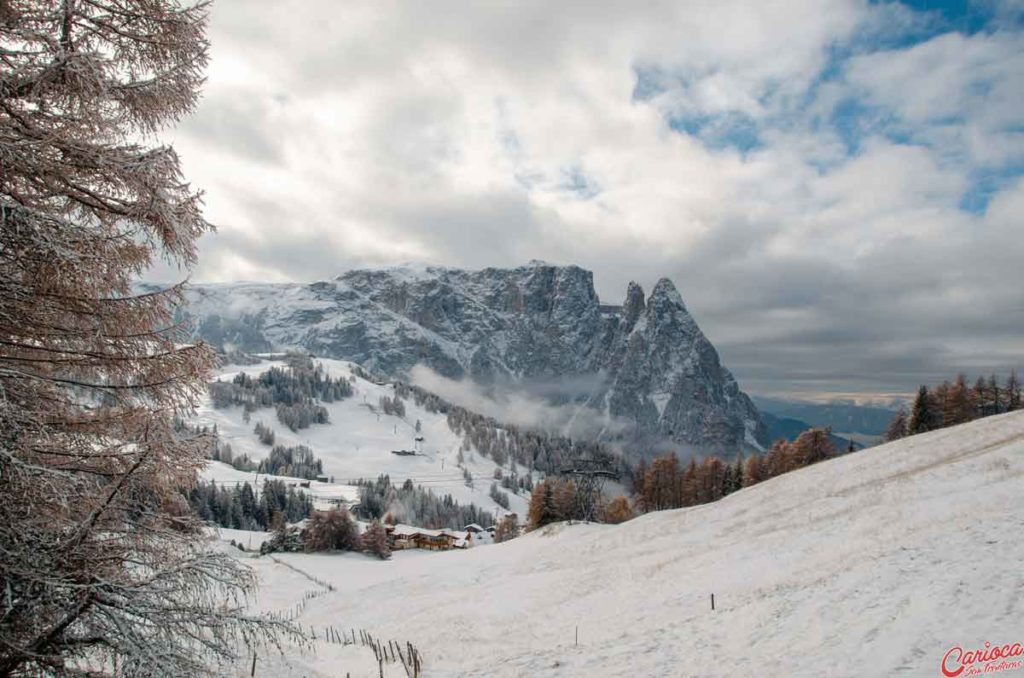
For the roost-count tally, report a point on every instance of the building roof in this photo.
(400, 530)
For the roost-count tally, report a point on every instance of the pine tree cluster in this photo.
(294, 391)
(238, 508)
(502, 443)
(297, 462)
(416, 505)
(264, 433)
(222, 452)
(949, 404)
(810, 447)
(554, 499)
(499, 497)
(302, 415)
(392, 406)
(665, 484)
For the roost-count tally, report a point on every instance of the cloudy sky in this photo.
(835, 186)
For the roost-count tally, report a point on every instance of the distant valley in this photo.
(864, 424)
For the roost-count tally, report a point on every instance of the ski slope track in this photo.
(872, 564)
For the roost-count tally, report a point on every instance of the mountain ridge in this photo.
(656, 379)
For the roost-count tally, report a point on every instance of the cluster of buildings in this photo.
(410, 537)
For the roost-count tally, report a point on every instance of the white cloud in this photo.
(525, 404)
(334, 135)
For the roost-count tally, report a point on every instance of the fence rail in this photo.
(384, 651)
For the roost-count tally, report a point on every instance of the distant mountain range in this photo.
(785, 428)
(843, 417)
(643, 370)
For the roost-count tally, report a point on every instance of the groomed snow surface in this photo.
(872, 564)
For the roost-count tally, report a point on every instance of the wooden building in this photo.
(409, 537)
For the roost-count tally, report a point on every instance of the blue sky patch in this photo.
(575, 181)
(729, 130)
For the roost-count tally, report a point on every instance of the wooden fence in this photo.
(385, 652)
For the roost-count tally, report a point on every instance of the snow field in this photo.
(874, 563)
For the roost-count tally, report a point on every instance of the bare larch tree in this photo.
(102, 570)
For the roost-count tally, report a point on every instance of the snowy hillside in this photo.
(874, 564)
(358, 442)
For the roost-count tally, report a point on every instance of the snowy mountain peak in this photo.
(651, 374)
(634, 305)
(666, 294)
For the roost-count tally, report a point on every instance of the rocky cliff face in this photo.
(647, 365)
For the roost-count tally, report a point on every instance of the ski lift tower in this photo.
(589, 476)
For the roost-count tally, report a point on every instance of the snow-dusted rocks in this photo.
(649, 370)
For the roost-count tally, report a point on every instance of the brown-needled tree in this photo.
(101, 564)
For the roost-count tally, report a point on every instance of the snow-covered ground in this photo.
(357, 443)
(874, 564)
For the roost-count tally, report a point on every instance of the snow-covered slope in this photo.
(872, 564)
(645, 368)
(357, 443)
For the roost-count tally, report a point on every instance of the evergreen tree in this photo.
(737, 473)
(499, 497)
(979, 396)
(1013, 392)
(940, 405)
(995, 399)
(921, 413)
